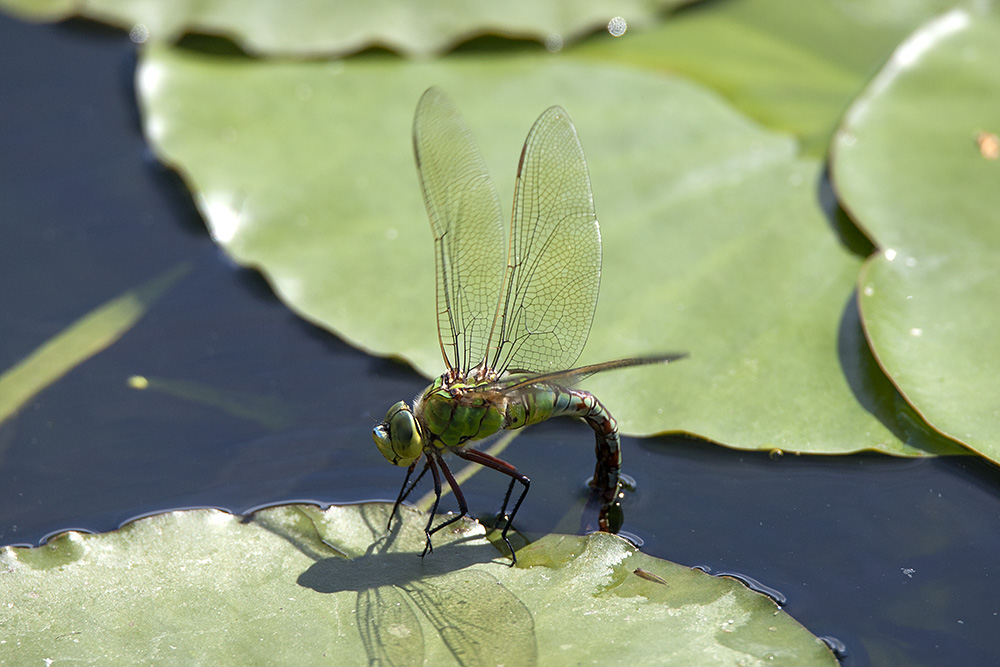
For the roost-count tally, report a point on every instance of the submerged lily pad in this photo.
(317, 27)
(296, 584)
(715, 242)
(83, 339)
(908, 167)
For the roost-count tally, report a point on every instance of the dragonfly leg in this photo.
(435, 460)
(506, 498)
(437, 499)
(404, 491)
(483, 459)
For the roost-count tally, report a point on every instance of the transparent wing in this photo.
(467, 222)
(554, 259)
(570, 377)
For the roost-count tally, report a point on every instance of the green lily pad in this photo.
(316, 27)
(790, 68)
(714, 239)
(908, 167)
(297, 584)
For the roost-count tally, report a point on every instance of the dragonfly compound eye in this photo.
(398, 437)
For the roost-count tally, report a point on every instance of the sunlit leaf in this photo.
(316, 27)
(909, 168)
(294, 584)
(792, 67)
(715, 242)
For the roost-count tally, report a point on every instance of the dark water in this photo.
(898, 559)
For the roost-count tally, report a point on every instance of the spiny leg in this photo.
(437, 499)
(506, 498)
(435, 460)
(404, 491)
(413, 484)
(493, 463)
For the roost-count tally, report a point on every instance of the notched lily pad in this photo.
(295, 583)
(317, 27)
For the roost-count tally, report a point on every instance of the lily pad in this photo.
(908, 167)
(316, 27)
(789, 67)
(715, 242)
(297, 584)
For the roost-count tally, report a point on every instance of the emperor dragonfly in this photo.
(506, 357)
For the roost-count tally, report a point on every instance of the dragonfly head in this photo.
(398, 437)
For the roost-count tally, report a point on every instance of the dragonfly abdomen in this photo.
(541, 403)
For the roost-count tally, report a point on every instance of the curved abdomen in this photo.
(537, 404)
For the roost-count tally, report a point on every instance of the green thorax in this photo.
(455, 410)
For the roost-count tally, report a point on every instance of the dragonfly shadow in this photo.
(383, 562)
(399, 595)
(468, 610)
(376, 570)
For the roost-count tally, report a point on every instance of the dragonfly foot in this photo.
(510, 547)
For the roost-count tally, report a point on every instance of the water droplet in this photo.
(617, 26)
(139, 33)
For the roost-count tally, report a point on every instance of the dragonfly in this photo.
(510, 324)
